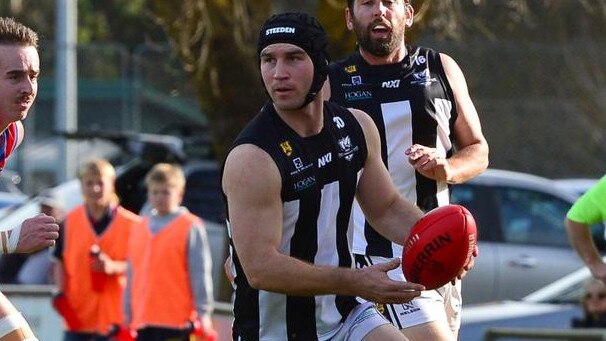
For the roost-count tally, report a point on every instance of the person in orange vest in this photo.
(169, 289)
(90, 257)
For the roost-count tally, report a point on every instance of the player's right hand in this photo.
(377, 287)
(37, 233)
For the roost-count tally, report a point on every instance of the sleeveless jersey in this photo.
(319, 177)
(410, 102)
(8, 143)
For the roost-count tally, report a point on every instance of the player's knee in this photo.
(14, 327)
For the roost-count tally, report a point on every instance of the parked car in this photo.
(551, 307)
(201, 197)
(523, 244)
(576, 185)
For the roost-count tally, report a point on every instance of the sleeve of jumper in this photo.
(200, 270)
(126, 299)
(590, 208)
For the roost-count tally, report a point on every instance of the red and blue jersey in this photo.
(8, 142)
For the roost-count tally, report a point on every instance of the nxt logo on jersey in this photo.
(358, 95)
(324, 160)
(286, 148)
(393, 84)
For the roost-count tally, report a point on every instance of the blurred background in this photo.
(143, 81)
(189, 68)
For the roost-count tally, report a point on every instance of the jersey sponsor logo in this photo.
(392, 84)
(351, 68)
(275, 30)
(304, 183)
(299, 166)
(408, 308)
(422, 78)
(358, 95)
(324, 160)
(356, 80)
(286, 148)
(347, 150)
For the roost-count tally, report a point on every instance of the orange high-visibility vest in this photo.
(97, 309)
(160, 289)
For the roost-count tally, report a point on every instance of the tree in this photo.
(216, 42)
(202, 31)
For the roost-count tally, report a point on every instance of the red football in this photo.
(439, 245)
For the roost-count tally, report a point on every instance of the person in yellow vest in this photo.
(90, 257)
(169, 289)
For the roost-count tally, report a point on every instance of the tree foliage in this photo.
(215, 41)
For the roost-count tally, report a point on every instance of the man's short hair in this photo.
(13, 32)
(96, 167)
(166, 174)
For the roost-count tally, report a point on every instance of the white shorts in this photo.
(362, 320)
(441, 304)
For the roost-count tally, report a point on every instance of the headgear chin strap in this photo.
(304, 31)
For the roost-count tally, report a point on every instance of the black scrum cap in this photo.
(304, 31)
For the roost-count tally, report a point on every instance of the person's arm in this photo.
(252, 184)
(471, 157)
(102, 262)
(588, 209)
(127, 296)
(582, 241)
(199, 263)
(386, 210)
(34, 234)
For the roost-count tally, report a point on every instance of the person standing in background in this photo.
(19, 71)
(430, 134)
(168, 256)
(593, 303)
(90, 257)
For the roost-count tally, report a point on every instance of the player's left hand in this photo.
(471, 262)
(426, 161)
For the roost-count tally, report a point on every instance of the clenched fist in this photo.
(37, 233)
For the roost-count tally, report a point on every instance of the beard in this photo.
(379, 47)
